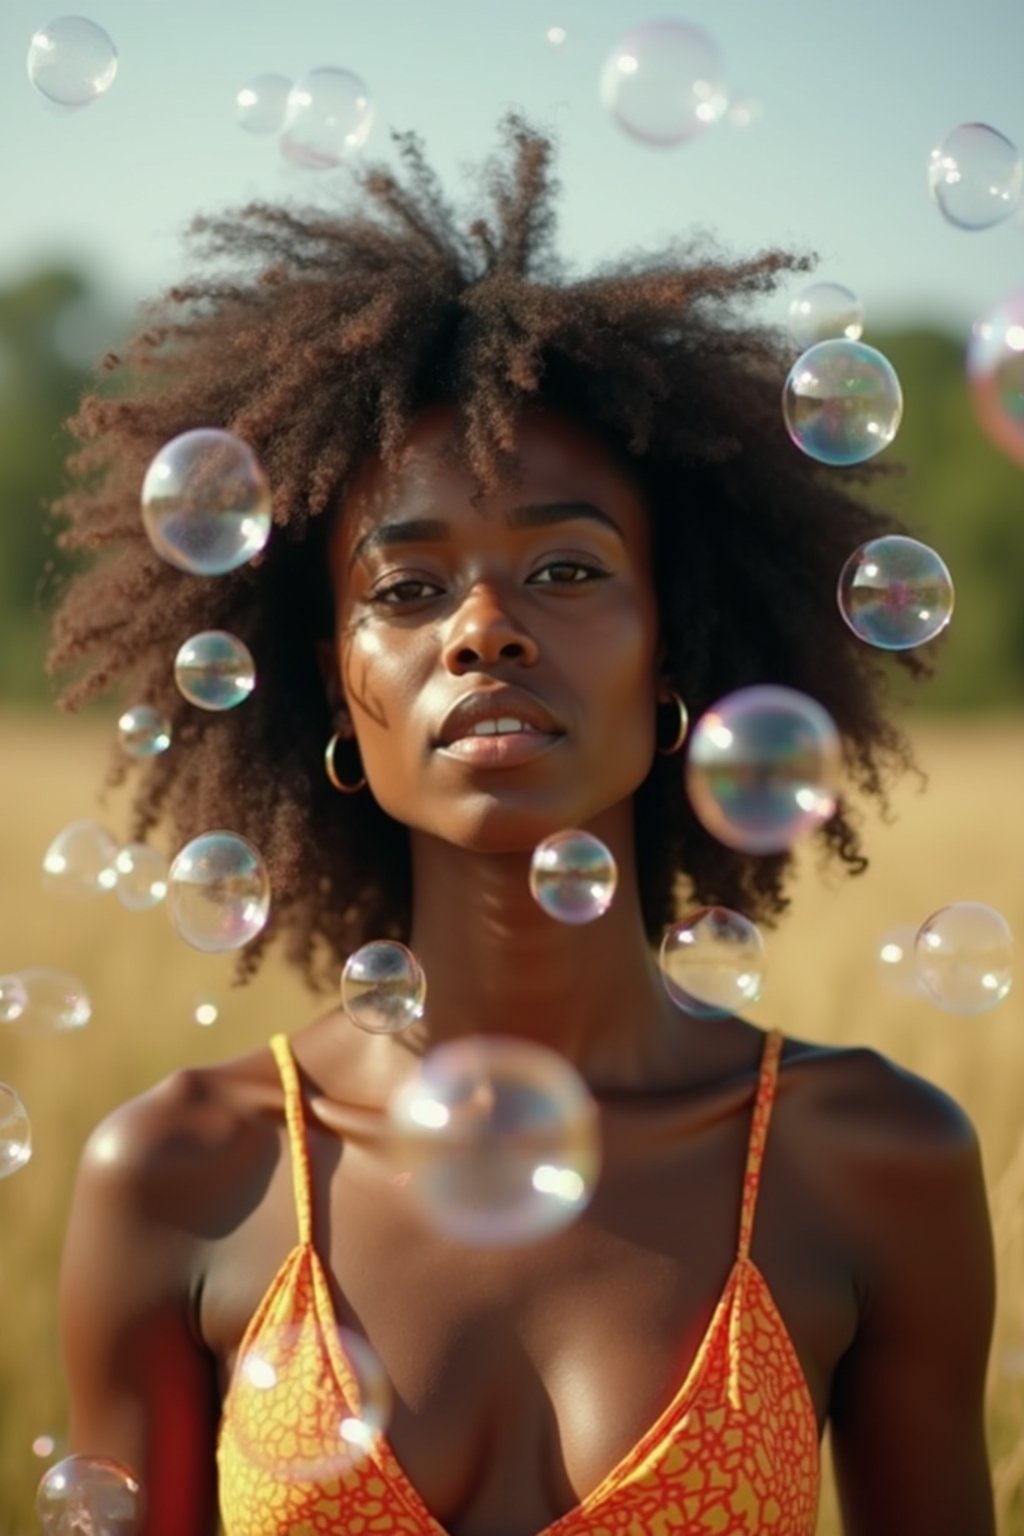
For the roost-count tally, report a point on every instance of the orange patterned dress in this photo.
(735, 1453)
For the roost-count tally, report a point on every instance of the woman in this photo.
(567, 506)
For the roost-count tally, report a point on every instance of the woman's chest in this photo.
(522, 1375)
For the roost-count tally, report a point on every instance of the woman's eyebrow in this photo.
(429, 530)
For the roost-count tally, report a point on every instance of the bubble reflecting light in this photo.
(206, 503)
(663, 83)
(218, 892)
(500, 1137)
(329, 115)
(995, 373)
(271, 1385)
(15, 1132)
(81, 860)
(842, 402)
(964, 957)
(895, 593)
(261, 104)
(383, 989)
(71, 61)
(712, 962)
(143, 731)
(896, 960)
(90, 1495)
(763, 767)
(141, 877)
(975, 176)
(13, 999)
(214, 670)
(53, 1000)
(823, 311)
(573, 876)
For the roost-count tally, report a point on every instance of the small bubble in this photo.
(842, 402)
(218, 892)
(383, 989)
(573, 876)
(329, 115)
(206, 503)
(143, 731)
(71, 61)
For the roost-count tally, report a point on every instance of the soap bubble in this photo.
(218, 892)
(842, 402)
(214, 670)
(49, 999)
(896, 957)
(824, 311)
(383, 989)
(71, 61)
(329, 115)
(663, 82)
(261, 104)
(975, 176)
(573, 876)
(15, 1132)
(88, 1496)
(895, 593)
(143, 731)
(13, 999)
(995, 372)
(274, 1382)
(965, 957)
(81, 860)
(206, 503)
(763, 768)
(44, 1446)
(712, 962)
(141, 877)
(501, 1138)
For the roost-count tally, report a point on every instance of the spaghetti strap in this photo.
(301, 1179)
(759, 1135)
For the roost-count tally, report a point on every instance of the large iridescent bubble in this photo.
(895, 593)
(383, 989)
(206, 502)
(663, 82)
(842, 402)
(91, 1495)
(995, 373)
(763, 768)
(712, 962)
(975, 176)
(500, 1137)
(965, 957)
(218, 892)
(329, 115)
(71, 61)
(573, 876)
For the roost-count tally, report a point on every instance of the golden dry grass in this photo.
(961, 839)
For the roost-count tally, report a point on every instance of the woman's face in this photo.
(497, 656)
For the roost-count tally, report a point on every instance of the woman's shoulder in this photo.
(872, 1103)
(185, 1144)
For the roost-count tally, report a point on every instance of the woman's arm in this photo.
(142, 1388)
(907, 1411)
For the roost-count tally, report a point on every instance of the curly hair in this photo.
(316, 340)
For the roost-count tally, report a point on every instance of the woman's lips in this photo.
(504, 751)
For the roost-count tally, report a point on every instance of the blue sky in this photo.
(853, 96)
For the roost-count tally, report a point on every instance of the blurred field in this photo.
(963, 838)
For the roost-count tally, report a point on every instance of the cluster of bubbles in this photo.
(960, 958)
(320, 119)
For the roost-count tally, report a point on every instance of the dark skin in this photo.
(522, 1375)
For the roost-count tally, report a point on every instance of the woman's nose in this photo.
(484, 632)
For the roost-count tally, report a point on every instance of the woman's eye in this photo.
(566, 572)
(411, 590)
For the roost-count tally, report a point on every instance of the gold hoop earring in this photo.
(681, 729)
(332, 772)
